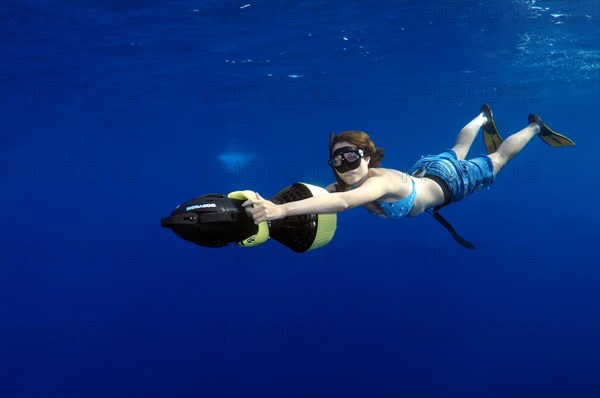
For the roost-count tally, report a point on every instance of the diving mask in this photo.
(346, 159)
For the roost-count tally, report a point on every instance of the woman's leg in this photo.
(467, 136)
(513, 145)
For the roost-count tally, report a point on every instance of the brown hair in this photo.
(360, 140)
(363, 141)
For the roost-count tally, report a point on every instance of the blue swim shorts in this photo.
(463, 177)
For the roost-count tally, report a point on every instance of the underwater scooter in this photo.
(215, 220)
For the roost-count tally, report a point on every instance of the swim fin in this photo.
(491, 137)
(548, 135)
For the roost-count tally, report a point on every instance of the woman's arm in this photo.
(372, 189)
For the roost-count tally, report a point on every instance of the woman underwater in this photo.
(431, 183)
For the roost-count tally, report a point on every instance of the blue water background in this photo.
(113, 113)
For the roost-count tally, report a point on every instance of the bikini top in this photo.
(399, 209)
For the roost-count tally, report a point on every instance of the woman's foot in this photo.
(491, 137)
(548, 135)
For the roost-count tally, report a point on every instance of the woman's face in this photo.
(349, 155)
